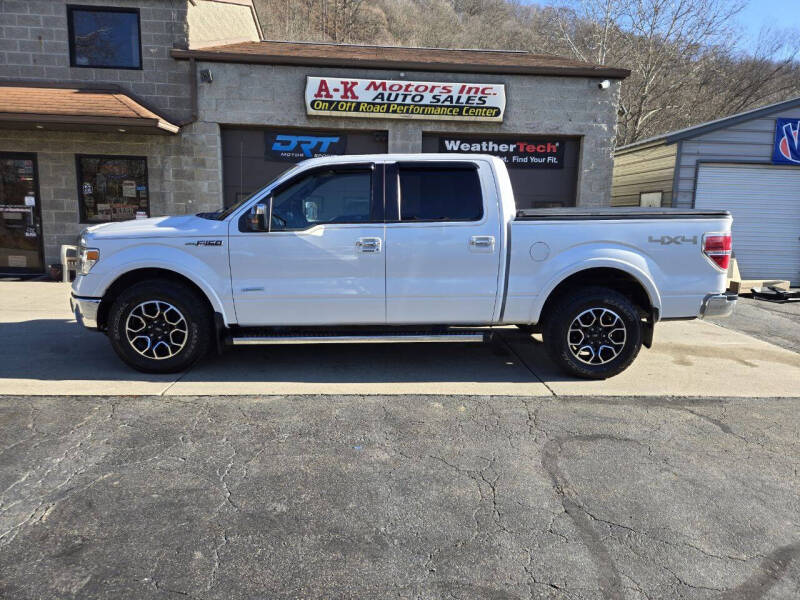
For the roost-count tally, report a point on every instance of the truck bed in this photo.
(614, 214)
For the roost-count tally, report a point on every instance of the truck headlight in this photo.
(87, 259)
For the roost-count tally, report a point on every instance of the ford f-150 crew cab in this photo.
(399, 248)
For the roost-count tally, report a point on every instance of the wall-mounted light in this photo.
(122, 130)
(604, 85)
(205, 76)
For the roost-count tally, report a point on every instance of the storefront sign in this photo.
(294, 146)
(381, 98)
(527, 153)
(129, 188)
(787, 142)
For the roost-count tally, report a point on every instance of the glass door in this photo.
(20, 214)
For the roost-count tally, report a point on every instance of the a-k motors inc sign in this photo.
(385, 98)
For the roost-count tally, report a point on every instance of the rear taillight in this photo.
(717, 247)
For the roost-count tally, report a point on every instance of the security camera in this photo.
(604, 85)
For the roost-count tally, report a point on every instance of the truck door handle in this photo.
(483, 242)
(368, 244)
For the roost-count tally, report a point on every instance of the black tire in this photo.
(155, 294)
(617, 350)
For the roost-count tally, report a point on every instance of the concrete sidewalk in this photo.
(44, 352)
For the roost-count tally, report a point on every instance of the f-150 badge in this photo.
(205, 243)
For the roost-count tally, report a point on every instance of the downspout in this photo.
(193, 93)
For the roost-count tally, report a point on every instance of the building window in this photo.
(112, 188)
(440, 194)
(104, 37)
(650, 199)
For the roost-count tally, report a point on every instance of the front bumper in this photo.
(718, 305)
(85, 310)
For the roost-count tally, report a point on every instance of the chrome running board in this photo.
(377, 338)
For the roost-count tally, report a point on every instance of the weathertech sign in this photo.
(527, 153)
(382, 98)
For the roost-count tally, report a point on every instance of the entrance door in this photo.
(764, 202)
(20, 214)
(443, 252)
(322, 261)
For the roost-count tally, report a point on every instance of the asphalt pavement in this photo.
(399, 497)
(773, 322)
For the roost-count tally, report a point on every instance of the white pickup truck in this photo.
(399, 248)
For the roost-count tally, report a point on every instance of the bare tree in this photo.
(686, 66)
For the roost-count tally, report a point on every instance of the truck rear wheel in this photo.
(159, 326)
(593, 333)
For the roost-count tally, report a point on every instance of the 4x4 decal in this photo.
(668, 240)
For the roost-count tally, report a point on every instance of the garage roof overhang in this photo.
(26, 105)
(406, 59)
(703, 128)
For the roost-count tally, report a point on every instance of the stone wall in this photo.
(34, 45)
(244, 94)
(183, 173)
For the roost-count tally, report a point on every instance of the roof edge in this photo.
(133, 122)
(274, 59)
(93, 86)
(643, 145)
(709, 126)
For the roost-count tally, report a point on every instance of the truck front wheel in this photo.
(159, 326)
(593, 333)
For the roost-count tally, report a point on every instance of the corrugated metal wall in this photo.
(765, 203)
(742, 142)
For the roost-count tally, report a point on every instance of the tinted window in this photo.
(112, 188)
(104, 38)
(323, 197)
(440, 194)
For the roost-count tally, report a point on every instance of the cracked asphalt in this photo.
(399, 496)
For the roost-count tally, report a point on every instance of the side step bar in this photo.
(376, 338)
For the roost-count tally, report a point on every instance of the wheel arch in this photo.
(129, 278)
(639, 288)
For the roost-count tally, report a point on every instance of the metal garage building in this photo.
(748, 163)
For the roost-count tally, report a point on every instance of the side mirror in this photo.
(259, 217)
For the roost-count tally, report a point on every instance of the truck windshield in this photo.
(225, 213)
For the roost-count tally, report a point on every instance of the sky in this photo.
(781, 14)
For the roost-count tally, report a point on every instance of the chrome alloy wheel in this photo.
(156, 329)
(596, 336)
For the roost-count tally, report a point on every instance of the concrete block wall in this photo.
(183, 173)
(243, 94)
(34, 45)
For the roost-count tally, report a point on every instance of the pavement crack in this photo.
(212, 576)
(723, 427)
(223, 474)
